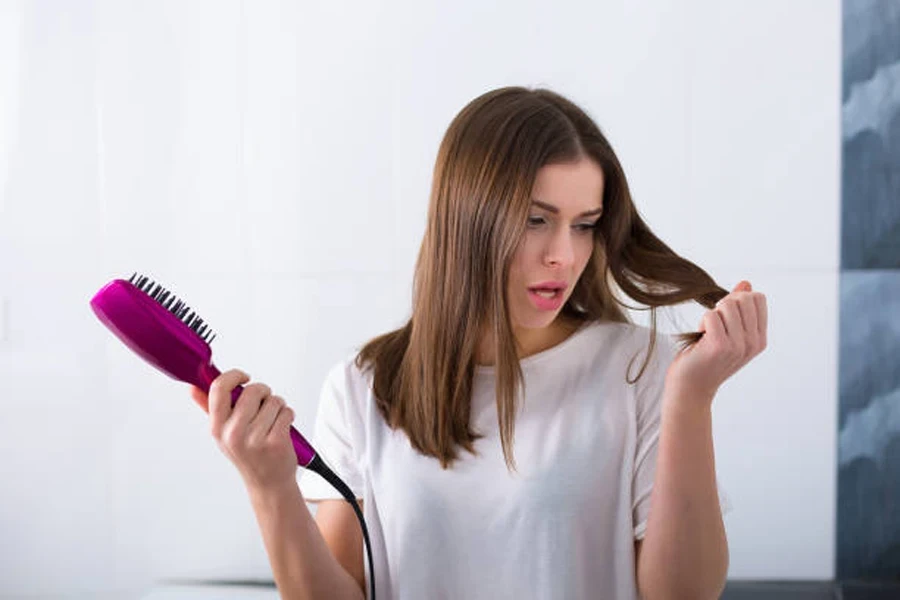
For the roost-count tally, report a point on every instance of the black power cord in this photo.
(319, 466)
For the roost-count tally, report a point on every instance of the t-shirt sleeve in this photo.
(649, 392)
(334, 439)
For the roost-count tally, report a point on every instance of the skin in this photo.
(254, 434)
(684, 553)
(556, 247)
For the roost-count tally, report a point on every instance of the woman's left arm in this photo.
(684, 553)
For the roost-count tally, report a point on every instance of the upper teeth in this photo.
(546, 293)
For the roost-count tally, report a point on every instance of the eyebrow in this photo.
(554, 210)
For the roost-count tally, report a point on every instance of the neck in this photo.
(528, 341)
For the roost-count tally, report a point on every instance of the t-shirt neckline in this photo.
(545, 354)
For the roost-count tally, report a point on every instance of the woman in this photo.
(500, 443)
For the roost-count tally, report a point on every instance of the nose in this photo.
(560, 251)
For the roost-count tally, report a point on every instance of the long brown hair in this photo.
(480, 198)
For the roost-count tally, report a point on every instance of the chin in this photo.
(536, 320)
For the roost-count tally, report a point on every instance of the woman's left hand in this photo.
(734, 333)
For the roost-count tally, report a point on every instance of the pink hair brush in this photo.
(166, 333)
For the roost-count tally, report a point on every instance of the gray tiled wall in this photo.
(868, 519)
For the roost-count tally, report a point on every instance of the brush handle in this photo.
(303, 449)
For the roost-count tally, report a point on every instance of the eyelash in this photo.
(581, 227)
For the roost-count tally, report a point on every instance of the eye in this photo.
(536, 221)
(588, 226)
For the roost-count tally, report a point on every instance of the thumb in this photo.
(743, 286)
(200, 397)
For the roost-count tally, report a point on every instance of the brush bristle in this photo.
(171, 303)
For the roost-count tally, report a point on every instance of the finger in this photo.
(714, 325)
(762, 320)
(200, 397)
(747, 306)
(220, 398)
(268, 412)
(249, 403)
(282, 424)
(731, 316)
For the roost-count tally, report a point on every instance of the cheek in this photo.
(522, 258)
(519, 269)
(588, 249)
(585, 251)
(528, 252)
(516, 277)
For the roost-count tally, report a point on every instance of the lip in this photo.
(548, 304)
(559, 285)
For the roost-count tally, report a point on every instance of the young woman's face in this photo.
(559, 239)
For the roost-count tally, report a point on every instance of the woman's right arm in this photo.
(255, 436)
(302, 562)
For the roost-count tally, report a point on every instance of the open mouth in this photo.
(548, 293)
(549, 297)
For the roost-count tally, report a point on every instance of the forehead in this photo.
(577, 186)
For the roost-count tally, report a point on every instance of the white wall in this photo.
(271, 162)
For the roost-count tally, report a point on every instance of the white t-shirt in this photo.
(564, 526)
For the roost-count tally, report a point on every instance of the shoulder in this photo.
(628, 344)
(630, 337)
(346, 379)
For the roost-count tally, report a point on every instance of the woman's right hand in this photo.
(255, 434)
